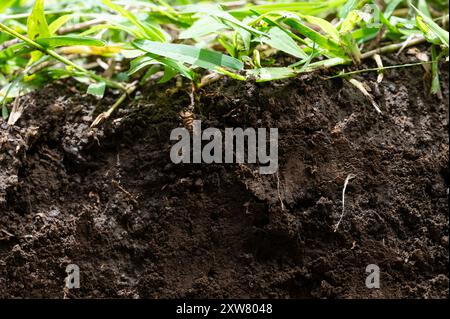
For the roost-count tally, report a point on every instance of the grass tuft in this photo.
(263, 40)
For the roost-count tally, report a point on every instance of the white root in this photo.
(349, 177)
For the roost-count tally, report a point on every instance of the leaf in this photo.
(230, 19)
(14, 51)
(114, 26)
(365, 34)
(189, 54)
(5, 4)
(423, 7)
(105, 50)
(152, 32)
(58, 23)
(351, 47)
(151, 59)
(245, 36)
(280, 40)
(5, 112)
(392, 28)
(217, 11)
(329, 45)
(435, 83)
(290, 46)
(391, 7)
(169, 73)
(183, 70)
(140, 63)
(350, 21)
(326, 26)
(37, 24)
(347, 8)
(201, 27)
(97, 89)
(314, 7)
(431, 26)
(12, 91)
(63, 41)
(427, 32)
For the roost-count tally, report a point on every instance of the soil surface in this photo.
(109, 199)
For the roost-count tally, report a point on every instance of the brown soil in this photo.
(110, 201)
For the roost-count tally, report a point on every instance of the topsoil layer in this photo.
(138, 226)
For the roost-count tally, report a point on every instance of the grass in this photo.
(120, 44)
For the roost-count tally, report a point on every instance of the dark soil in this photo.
(138, 226)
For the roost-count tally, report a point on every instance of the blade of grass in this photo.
(435, 83)
(5, 4)
(442, 34)
(152, 32)
(329, 45)
(37, 24)
(189, 54)
(59, 57)
(63, 40)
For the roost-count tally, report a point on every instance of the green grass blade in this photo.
(58, 23)
(62, 41)
(97, 89)
(189, 54)
(435, 83)
(347, 8)
(113, 26)
(328, 44)
(5, 4)
(280, 40)
(314, 7)
(152, 59)
(326, 26)
(139, 63)
(37, 24)
(391, 7)
(202, 27)
(153, 32)
(429, 26)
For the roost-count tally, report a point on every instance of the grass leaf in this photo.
(152, 59)
(429, 27)
(313, 7)
(63, 40)
(58, 23)
(328, 44)
(151, 31)
(37, 26)
(326, 26)
(189, 54)
(5, 4)
(280, 40)
(347, 8)
(97, 89)
(201, 27)
(435, 83)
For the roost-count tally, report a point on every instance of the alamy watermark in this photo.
(373, 279)
(226, 149)
(73, 276)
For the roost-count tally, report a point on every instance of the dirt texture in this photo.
(110, 200)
